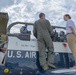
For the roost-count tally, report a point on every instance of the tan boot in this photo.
(52, 66)
(45, 68)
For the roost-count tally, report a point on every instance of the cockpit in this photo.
(25, 32)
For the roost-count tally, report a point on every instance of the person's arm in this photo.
(73, 31)
(34, 30)
(49, 27)
(71, 26)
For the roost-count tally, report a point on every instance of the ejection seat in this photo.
(24, 33)
(62, 36)
(54, 36)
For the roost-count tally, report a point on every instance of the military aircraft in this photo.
(19, 50)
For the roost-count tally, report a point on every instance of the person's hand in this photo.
(75, 34)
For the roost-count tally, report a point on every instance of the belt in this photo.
(69, 33)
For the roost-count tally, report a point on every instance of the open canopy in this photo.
(3, 22)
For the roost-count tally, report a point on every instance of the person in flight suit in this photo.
(42, 31)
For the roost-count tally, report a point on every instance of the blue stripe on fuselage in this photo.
(29, 61)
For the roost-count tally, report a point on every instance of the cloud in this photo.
(28, 10)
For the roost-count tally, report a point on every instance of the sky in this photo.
(28, 10)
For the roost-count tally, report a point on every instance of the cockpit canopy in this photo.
(3, 22)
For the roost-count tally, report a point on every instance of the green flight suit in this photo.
(42, 31)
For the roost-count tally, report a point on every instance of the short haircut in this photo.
(67, 15)
(41, 14)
